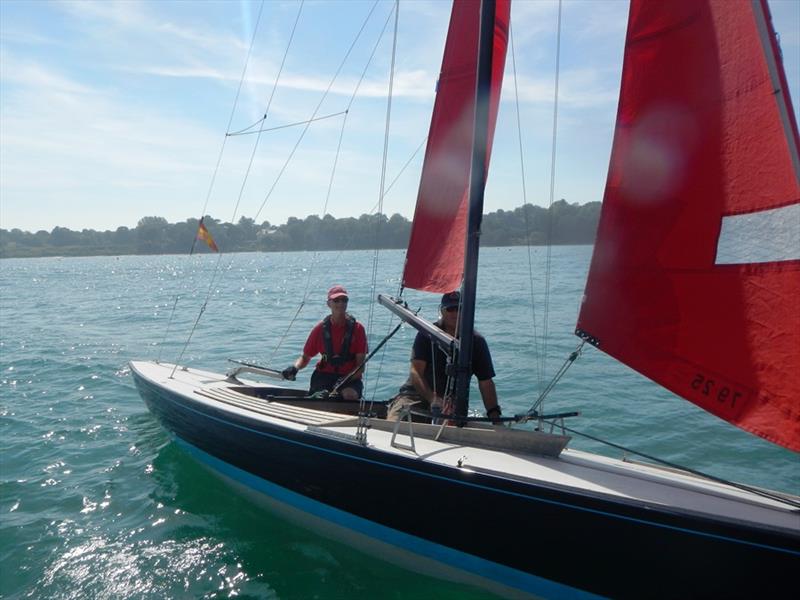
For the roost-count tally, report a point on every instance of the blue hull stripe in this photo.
(495, 490)
(465, 562)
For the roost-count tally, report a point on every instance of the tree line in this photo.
(563, 223)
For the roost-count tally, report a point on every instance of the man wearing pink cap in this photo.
(342, 342)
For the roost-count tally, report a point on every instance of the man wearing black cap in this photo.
(426, 386)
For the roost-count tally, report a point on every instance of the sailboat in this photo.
(694, 282)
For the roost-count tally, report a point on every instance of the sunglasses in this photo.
(338, 300)
(451, 309)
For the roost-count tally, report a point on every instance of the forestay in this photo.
(695, 277)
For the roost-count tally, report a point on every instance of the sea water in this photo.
(96, 501)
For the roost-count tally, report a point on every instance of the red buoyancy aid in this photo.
(344, 355)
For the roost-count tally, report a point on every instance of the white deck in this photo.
(573, 469)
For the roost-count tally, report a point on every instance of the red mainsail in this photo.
(435, 258)
(695, 276)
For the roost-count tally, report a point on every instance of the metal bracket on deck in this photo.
(404, 414)
(251, 368)
(338, 435)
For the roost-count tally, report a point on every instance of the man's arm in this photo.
(302, 361)
(417, 375)
(311, 348)
(489, 396)
(359, 359)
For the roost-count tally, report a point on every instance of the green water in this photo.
(95, 501)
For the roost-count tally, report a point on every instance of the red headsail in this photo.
(695, 277)
(435, 258)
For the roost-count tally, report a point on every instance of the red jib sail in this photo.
(695, 277)
(435, 258)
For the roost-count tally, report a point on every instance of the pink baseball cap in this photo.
(337, 291)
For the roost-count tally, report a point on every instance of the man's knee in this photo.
(398, 406)
(349, 393)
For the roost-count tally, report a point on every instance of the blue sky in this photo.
(112, 111)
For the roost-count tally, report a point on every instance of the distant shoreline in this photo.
(204, 252)
(560, 225)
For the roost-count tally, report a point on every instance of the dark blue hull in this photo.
(541, 540)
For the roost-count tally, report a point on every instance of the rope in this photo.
(741, 486)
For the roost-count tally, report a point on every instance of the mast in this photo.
(475, 208)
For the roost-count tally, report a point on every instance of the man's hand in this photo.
(290, 373)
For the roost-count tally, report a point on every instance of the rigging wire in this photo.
(291, 155)
(219, 161)
(233, 112)
(247, 173)
(403, 168)
(346, 112)
(548, 260)
(266, 113)
(246, 132)
(374, 209)
(539, 374)
(286, 163)
(348, 246)
(167, 328)
(316, 110)
(314, 255)
(382, 190)
(559, 374)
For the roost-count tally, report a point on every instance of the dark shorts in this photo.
(327, 381)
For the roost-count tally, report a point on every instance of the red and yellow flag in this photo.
(203, 234)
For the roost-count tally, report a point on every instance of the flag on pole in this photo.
(203, 234)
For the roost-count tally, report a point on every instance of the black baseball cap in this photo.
(451, 299)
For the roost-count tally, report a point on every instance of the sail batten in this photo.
(695, 276)
(435, 257)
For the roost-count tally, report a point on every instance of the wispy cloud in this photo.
(70, 149)
(136, 18)
(116, 110)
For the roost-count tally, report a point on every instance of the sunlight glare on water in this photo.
(96, 501)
